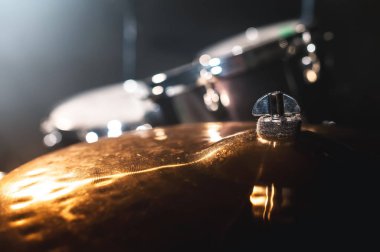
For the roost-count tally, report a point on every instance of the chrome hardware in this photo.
(279, 116)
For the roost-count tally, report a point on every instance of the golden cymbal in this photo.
(167, 188)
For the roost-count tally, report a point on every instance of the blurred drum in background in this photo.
(105, 111)
(236, 72)
(220, 85)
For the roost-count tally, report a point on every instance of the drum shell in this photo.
(242, 79)
(245, 88)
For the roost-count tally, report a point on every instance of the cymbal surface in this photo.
(156, 189)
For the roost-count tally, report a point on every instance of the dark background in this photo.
(51, 49)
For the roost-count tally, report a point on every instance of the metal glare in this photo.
(158, 78)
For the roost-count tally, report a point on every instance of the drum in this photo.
(276, 57)
(226, 78)
(220, 85)
(205, 186)
(106, 111)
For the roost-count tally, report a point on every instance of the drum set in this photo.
(175, 162)
(221, 84)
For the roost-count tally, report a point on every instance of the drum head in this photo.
(95, 108)
(108, 110)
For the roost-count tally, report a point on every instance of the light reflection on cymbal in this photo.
(273, 143)
(160, 134)
(271, 202)
(60, 193)
(213, 130)
(262, 200)
(45, 186)
(41, 189)
(263, 141)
